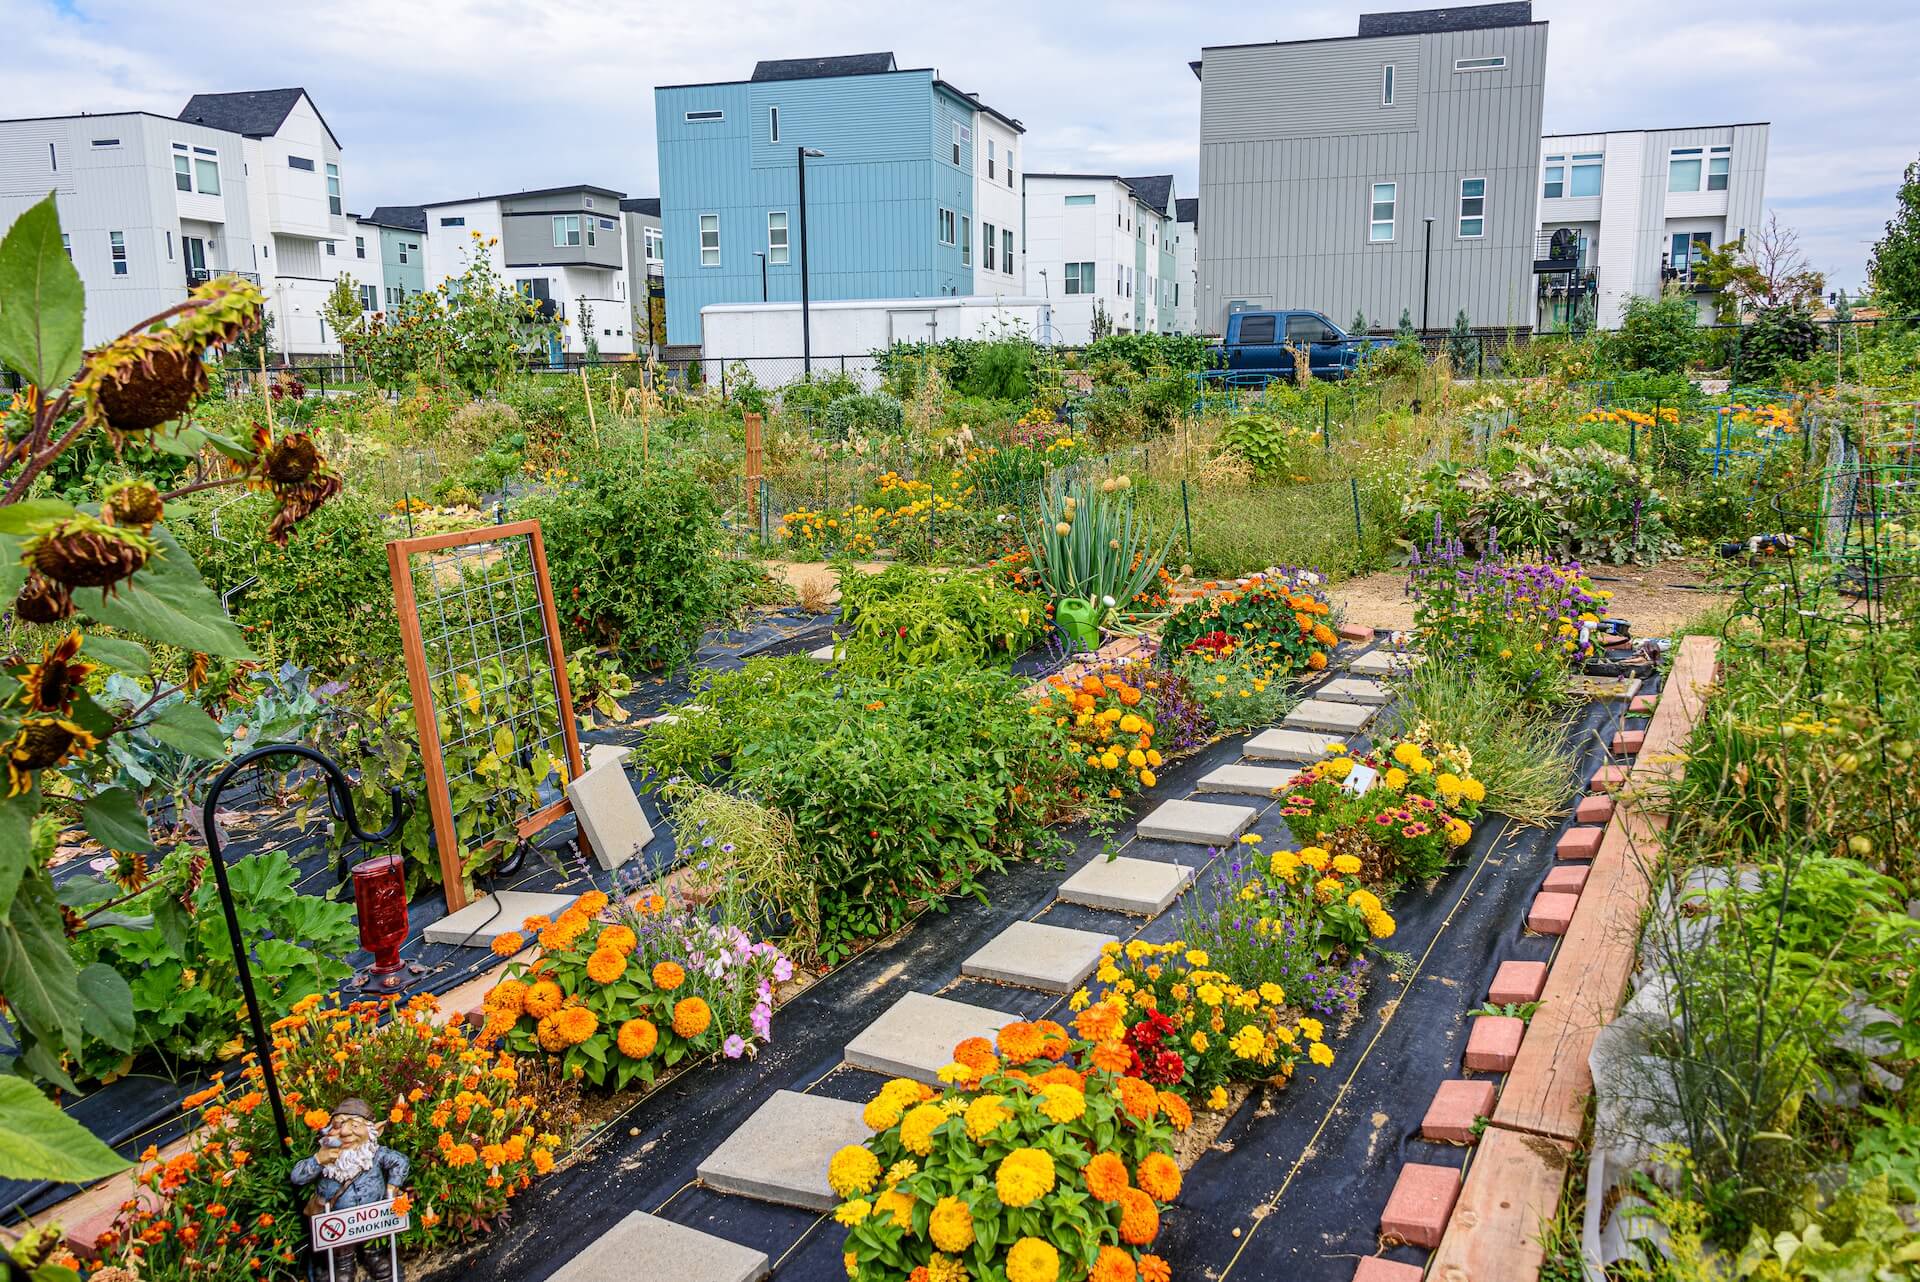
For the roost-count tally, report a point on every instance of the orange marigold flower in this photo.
(1154, 1269)
(548, 1034)
(976, 1053)
(1112, 1055)
(1317, 660)
(1053, 1043)
(606, 965)
(1176, 1110)
(691, 1017)
(508, 944)
(620, 939)
(591, 902)
(1106, 1176)
(1159, 1177)
(1019, 1042)
(576, 1023)
(1062, 1075)
(316, 1118)
(544, 998)
(637, 1038)
(668, 976)
(542, 1161)
(1113, 1265)
(1138, 1098)
(1139, 1218)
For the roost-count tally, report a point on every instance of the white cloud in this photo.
(441, 98)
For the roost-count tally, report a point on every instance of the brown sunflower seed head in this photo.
(297, 502)
(291, 460)
(132, 504)
(144, 382)
(43, 600)
(84, 552)
(40, 743)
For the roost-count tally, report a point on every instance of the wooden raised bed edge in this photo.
(1516, 1175)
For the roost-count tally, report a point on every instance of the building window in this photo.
(453, 222)
(66, 243)
(590, 238)
(359, 246)
(1683, 169)
(369, 298)
(650, 242)
(1006, 250)
(106, 142)
(566, 231)
(1719, 165)
(1386, 85)
(1009, 171)
(987, 243)
(962, 139)
(1080, 278)
(331, 251)
(709, 240)
(1473, 208)
(1080, 200)
(966, 241)
(1478, 64)
(182, 174)
(773, 124)
(403, 248)
(1689, 247)
(777, 252)
(989, 157)
(333, 190)
(1585, 179)
(118, 241)
(53, 158)
(169, 246)
(1386, 197)
(206, 174)
(300, 162)
(947, 234)
(703, 117)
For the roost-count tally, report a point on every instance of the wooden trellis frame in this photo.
(462, 551)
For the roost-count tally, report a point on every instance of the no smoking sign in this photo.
(356, 1224)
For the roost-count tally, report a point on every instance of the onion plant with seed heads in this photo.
(1088, 541)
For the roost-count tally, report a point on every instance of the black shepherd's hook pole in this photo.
(342, 799)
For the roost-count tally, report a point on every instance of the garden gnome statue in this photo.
(351, 1169)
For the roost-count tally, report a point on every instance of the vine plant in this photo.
(104, 578)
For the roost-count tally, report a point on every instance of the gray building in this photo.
(646, 268)
(1393, 170)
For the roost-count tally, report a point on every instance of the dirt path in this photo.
(1657, 599)
(814, 580)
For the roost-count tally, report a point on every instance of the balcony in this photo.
(1683, 277)
(1563, 251)
(201, 275)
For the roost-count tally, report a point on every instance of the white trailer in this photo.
(765, 338)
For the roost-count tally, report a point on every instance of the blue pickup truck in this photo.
(1256, 344)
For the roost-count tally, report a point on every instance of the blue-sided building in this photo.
(899, 206)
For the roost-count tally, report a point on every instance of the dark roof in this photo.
(1186, 209)
(405, 217)
(649, 205)
(973, 99)
(846, 64)
(1155, 189)
(538, 191)
(254, 113)
(1468, 17)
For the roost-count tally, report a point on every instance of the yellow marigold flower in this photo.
(1024, 1176)
(1248, 1043)
(1312, 1027)
(1199, 1041)
(1380, 925)
(985, 1114)
(1395, 778)
(951, 1225)
(1272, 993)
(945, 1268)
(1315, 858)
(1137, 759)
(854, 1212)
(1210, 994)
(1195, 957)
(905, 1168)
(917, 1127)
(691, 1017)
(1320, 1053)
(1474, 790)
(881, 1112)
(1078, 1002)
(1147, 780)
(1328, 887)
(1217, 1098)
(853, 1171)
(954, 1073)
(1033, 1260)
(1062, 1103)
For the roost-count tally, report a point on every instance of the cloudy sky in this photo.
(435, 99)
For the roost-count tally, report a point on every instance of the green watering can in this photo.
(1079, 621)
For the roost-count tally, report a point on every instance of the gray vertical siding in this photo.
(1294, 136)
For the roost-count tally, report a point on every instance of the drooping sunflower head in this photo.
(293, 471)
(131, 505)
(42, 600)
(82, 551)
(42, 743)
(50, 685)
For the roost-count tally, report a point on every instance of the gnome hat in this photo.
(354, 1106)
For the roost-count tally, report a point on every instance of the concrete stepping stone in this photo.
(599, 754)
(822, 655)
(1032, 954)
(1330, 717)
(916, 1035)
(1493, 1042)
(1354, 690)
(616, 827)
(1247, 781)
(1456, 1106)
(1143, 887)
(1204, 823)
(491, 916)
(1384, 663)
(780, 1154)
(1304, 746)
(1420, 1204)
(646, 1246)
(1518, 982)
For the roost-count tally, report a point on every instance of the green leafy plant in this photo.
(907, 616)
(1087, 541)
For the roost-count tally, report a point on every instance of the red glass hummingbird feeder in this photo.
(380, 897)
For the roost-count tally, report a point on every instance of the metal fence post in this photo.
(1353, 487)
(1186, 516)
(766, 516)
(1326, 415)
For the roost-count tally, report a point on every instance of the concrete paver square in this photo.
(916, 1035)
(646, 1246)
(1032, 954)
(1143, 887)
(780, 1154)
(1204, 823)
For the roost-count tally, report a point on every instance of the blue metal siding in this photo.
(871, 201)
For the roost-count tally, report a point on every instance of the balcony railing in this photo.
(1565, 250)
(201, 275)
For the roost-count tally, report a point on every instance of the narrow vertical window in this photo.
(182, 174)
(1381, 216)
(1473, 208)
(777, 247)
(1386, 85)
(333, 189)
(118, 242)
(966, 241)
(773, 124)
(1006, 250)
(709, 240)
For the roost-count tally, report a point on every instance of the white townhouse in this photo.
(1102, 246)
(1186, 262)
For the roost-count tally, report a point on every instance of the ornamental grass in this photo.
(1040, 1161)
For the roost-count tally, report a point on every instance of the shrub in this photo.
(861, 414)
(630, 552)
(620, 994)
(1001, 370)
(1143, 354)
(1657, 334)
(1040, 1162)
(907, 616)
(1777, 337)
(1240, 686)
(1289, 610)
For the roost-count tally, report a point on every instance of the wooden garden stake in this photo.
(592, 425)
(753, 468)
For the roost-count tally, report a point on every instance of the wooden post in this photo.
(753, 468)
(593, 425)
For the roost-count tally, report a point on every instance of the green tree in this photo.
(1405, 328)
(1461, 348)
(1359, 325)
(1894, 269)
(342, 308)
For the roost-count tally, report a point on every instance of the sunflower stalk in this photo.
(1087, 541)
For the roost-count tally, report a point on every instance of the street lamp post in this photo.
(763, 274)
(1426, 280)
(806, 317)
